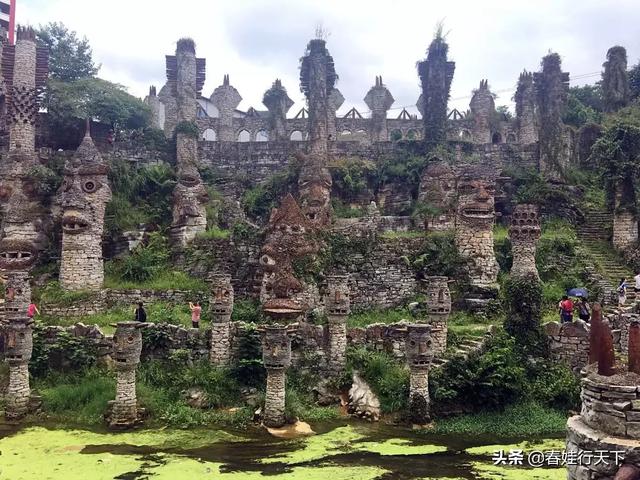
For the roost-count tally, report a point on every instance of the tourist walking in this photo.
(32, 310)
(622, 292)
(584, 311)
(566, 309)
(140, 314)
(196, 310)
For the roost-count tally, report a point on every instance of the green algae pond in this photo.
(339, 451)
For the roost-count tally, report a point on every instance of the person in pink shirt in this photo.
(196, 309)
(32, 310)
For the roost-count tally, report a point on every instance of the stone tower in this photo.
(625, 219)
(221, 305)
(83, 198)
(483, 109)
(157, 109)
(338, 307)
(226, 99)
(25, 222)
(276, 356)
(317, 80)
(419, 349)
(379, 101)
(438, 191)
(524, 232)
(185, 76)
(474, 226)
(127, 347)
(438, 310)
(526, 109)
(551, 86)
(278, 103)
(436, 75)
(18, 343)
(336, 99)
(615, 79)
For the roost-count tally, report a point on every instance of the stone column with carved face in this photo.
(127, 347)
(524, 232)
(438, 309)
(419, 351)
(338, 307)
(221, 306)
(18, 349)
(83, 197)
(190, 199)
(474, 226)
(437, 194)
(482, 108)
(276, 356)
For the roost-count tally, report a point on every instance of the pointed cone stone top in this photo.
(87, 154)
(226, 96)
(379, 97)
(289, 213)
(273, 97)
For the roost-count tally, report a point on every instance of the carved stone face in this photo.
(438, 295)
(17, 295)
(438, 186)
(338, 301)
(190, 197)
(525, 223)
(314, 187)
(83, 197)
(19, 342)
(221, 298)
(419, 346)
(476, 201)
(127, 344)
(276, 347)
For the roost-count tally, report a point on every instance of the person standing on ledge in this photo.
(622, 292)
(196, 309)
(32, 310)
(140, 315)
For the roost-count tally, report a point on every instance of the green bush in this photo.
(145, 261)
(439, 256)
(353, 177)
(555, 385)
(187, 128)
(68, 353)
(523, 303)
(259, 200)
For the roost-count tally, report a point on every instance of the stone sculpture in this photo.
(278, 103)
(221, 305)
(526, 109)
(438, 307)
(276, 356)
(438, 192)
(379, 101)
(419, 351)
(524, 232)
(338, 307)
(483, 110)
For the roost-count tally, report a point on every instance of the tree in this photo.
(70, 58)
(523, 298)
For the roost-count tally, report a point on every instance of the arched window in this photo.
(345, 133)
(209, 135)
(244, 136)
(262, 136)
(496, 138)
(465, 135)
(296, 136)
(411, 135)
(396, 135)
(511, 138)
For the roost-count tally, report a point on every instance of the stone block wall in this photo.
(569, 343)
(613, 409)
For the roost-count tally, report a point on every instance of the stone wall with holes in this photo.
(569, 343)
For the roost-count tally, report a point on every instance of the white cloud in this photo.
(256, 41)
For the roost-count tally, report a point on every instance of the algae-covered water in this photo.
(347, 451)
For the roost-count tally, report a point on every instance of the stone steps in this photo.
(464, 349)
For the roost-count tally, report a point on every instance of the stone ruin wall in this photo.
(569, 343)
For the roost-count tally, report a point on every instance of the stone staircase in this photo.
(595, 234)
(465, 348)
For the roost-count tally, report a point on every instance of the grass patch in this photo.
(521, 419)
(163, 280)
(53, 294)
(214, 233)
(369, 317)
(406, 234)
(500, 233)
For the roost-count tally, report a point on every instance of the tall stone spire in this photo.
(278, 103)
(482, 108)
(525, 109)
(379, 101)
(436, 75)
(226, 99)
(83, 198)
(615, 80)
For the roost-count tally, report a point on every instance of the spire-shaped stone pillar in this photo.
(278, 103)
(276, 356)
(335, 102)
(24, 104)
(190, 195)
(525, 109)
(524, 232)
(483, 109)
(338, 307)
(83, 198)
(127, 347)
(379, 101)
(156, 107)
(438, 310)
(221, 305)
(226, 99)
(419, 351)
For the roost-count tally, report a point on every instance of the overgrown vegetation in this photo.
(524, 313)
(259, 200)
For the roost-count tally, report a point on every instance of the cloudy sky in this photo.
(256, 41)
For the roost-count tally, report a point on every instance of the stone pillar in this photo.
(338, 306)
(474, 226)
(278, 103)
(335, 102)
(526, 109)
(221, 305)
(226, 98)
(17, 296)
(419, 350)
(524, 232)
(24, 104)
(438, 309)
(438, 191)
(186, 86)
(625, 230)
(127, 347)
(379, 101)
(156, 107)
(482, 110)
(83, 198)
(18, 349)
(276, 355)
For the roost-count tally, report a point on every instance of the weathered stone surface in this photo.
(362, 401)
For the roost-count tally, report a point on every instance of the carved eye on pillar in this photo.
(226, 294)
(90, 186)
(5, 192)
(413, 343)
(130, 339)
